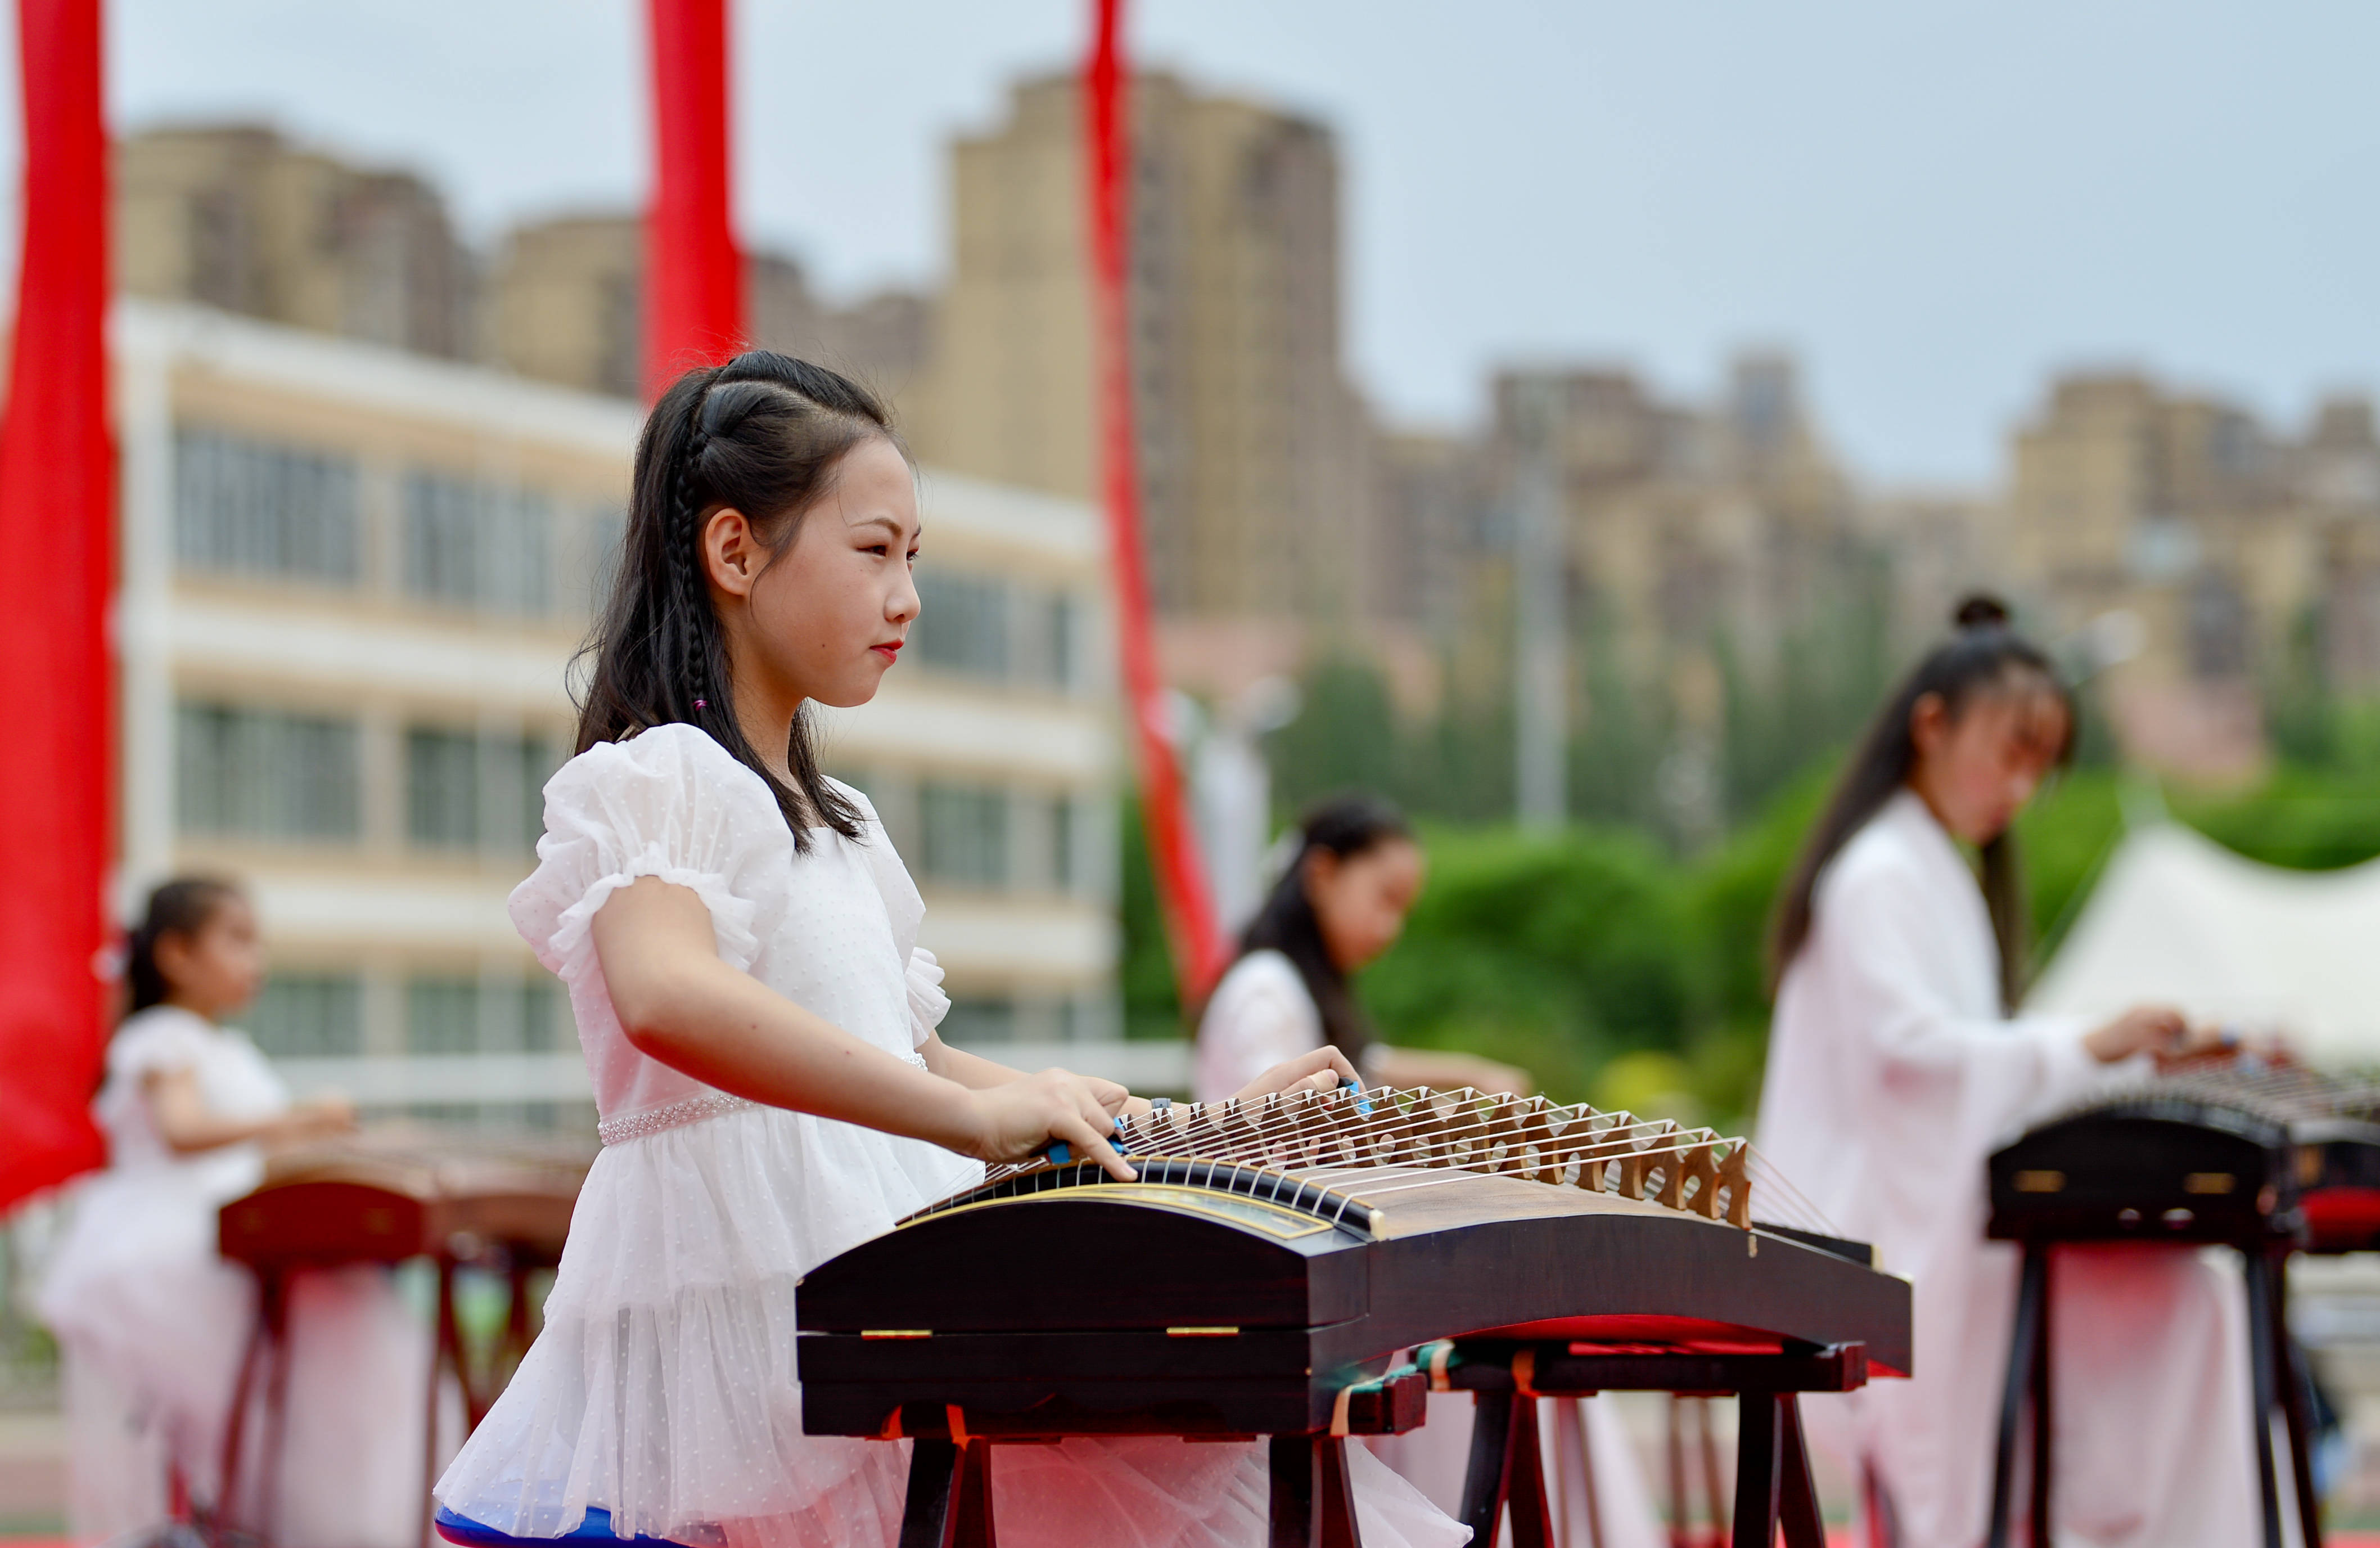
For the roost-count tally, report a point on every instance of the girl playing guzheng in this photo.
(1340, 902)
(739, 940)
(1895, 1066)
(152, 1321)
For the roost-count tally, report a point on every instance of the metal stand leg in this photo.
(1525, 1479)
(1758, 1479)
(926, 1514)
(1484, 1483)
(2027, 1348)
(971, 1504)
(1338, 1528)
(1708, 1443)
(2263, 1388)
(1799, 1502)
(1293, 1491)
(2045, 1407)
(2297, 1408)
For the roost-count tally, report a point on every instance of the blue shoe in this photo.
(465, 1532)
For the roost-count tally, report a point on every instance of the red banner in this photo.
(56, 551)
(694, 276)
(1199, 949)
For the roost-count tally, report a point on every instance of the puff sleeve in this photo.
(669, 803)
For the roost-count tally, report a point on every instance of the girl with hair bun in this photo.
(1898, 1061)
(739, 940)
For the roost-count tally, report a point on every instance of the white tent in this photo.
(2177, 920)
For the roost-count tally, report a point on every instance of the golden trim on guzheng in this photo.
(1276, 1255)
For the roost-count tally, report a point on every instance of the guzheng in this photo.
(385, 1197)
(2234, 1155)
(2268, 1158)
(1274, 1257)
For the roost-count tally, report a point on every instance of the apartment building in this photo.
(353, 582)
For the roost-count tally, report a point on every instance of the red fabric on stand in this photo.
(694, 276)
(56, 560)
(1198, 951)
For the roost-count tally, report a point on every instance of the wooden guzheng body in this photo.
(386, 1197)
(1276, 1261)
(2267, 1159)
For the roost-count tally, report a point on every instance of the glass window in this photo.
(261, 773)
(965, 834)
(466, 790)
(483, 1016)
(303, 1016)
(979, 1021)
(1062, 847)
(478, 545)
(442, 1016)
(962, 623)
(255, 508)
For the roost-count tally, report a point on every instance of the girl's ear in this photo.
(731, 555)
(1929, 725)
(171, 952)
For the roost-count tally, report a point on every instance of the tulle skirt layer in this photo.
(664, 1388)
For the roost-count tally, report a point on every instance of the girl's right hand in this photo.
(1013, 1121)
(2162, 1030)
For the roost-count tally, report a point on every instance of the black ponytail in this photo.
(1985, 655)
(1344, 827)
(763, 434)
(183, 906)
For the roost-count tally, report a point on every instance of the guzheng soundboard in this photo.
(1272, 1260)
(2235, 1154)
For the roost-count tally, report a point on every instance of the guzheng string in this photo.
(1386, 1141)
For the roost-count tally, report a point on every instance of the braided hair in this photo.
(763, 434)
(1984, 655)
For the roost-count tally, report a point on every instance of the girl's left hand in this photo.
(1325, 1069)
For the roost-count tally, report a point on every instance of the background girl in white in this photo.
(1340, 902)
(1895, 1067)
(739, 939)
(152, 1322)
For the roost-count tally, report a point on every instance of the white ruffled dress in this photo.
(662, 1388)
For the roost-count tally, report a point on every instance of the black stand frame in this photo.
(948, 1503)
(2275, 1380)
(1773, 1487)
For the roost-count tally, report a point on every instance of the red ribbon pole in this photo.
(1198, 951)
(58, 510)
(694, 276)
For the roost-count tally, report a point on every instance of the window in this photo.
(999, 630)
(466, 790)
(478, 545)
(309, 1016)
(261, 773)
(979, 1021)
(254, 507)
(965, 834)
(1062, 848)
(963, 624)
(476, 1016)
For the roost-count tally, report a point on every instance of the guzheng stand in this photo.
(2275, 1380)
(1773, 1487)
(1313, 1501)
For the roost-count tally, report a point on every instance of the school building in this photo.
(352, 583)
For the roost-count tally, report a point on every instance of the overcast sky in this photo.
(1934, 204)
